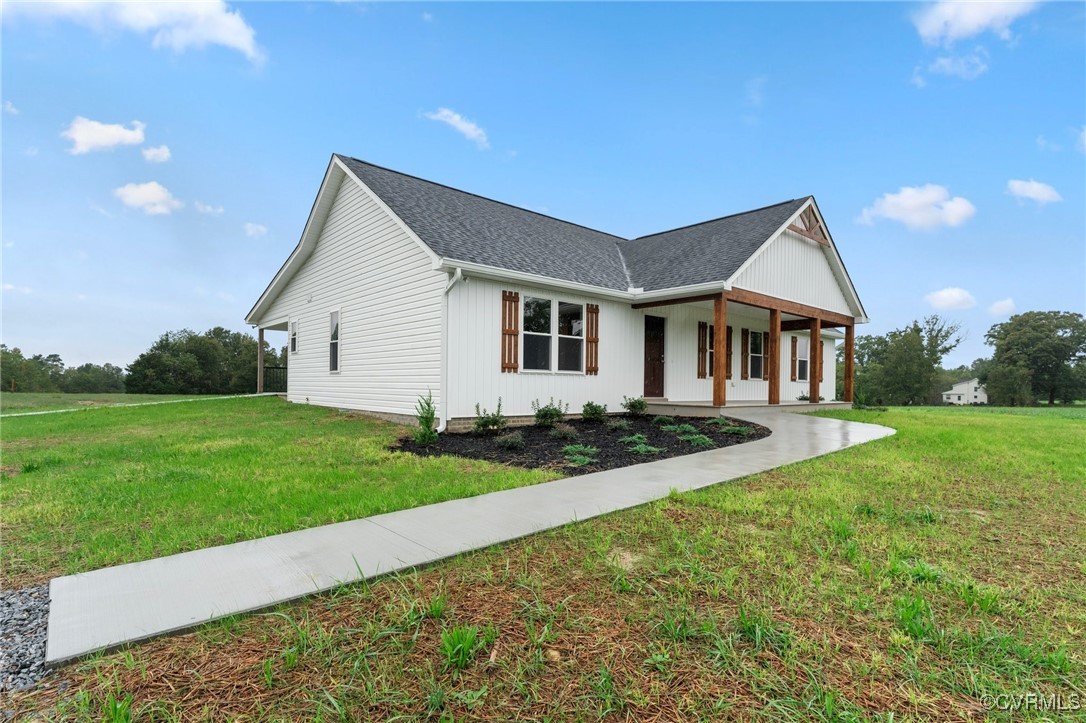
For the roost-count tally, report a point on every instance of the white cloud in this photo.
(1042, 193)
(951, 298)
(947, 21)
(152, 197)
(920, 207)
(967, 67)
(917, 78)
(207, 208)
(89, 135)
(161, 154)
(175, 24)
(10, 108)
(255, 230)
(427, 17)
(469, 129)
(1046, 145)
(1003, 307)
(17, 289)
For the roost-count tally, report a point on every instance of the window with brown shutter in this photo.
(744, 354)
(765, 355)
(510, 331)
(592, 337)
(821, 361)
(728, 354)
(703, 347)
(795, 342)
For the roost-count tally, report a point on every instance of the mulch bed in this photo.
(543, 450)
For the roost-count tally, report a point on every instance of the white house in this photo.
(971, 391)
(400, 286)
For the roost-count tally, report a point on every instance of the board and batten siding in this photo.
(366, 267)
(474, 348)
(795, 268)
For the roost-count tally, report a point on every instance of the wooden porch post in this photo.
(260, 361)
(814, 365)
(720, 352)
(774, 352)
(850, 360)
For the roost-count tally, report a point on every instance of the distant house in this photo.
(971, 391)
(400, 286)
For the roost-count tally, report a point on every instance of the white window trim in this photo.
(710, 355)
(292, 339)
(553, 335)
(751, 355)
(339, 342)
(799, 357)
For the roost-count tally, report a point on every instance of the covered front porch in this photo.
(773, 352)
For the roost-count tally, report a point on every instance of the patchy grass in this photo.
(87, 490)
(19, 402)
(905, 579)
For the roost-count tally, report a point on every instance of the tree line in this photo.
(1037, 356)
(217, 361)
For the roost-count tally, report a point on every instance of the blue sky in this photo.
(159, 162)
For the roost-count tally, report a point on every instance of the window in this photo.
(537, 334)
(803, 358)
(976, 389)
(333, 342)
(959, 397)
(712, 354)
(570, 337)
(293, 337)
(756, 355)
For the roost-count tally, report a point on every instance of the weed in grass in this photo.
(865, 510)
(459, 645)
(915, 617)
(436, 607)
(697, 440)
(604, 685)
(983, 598)
(634, 439)
(758, 628)
(435, 700)
(680, 624)
(841, 529)
(470, 698)
(645, 449)
(116, 709)
(663, 419)
(267, 670)
(563, 431)
(659, 661)
(619, 425)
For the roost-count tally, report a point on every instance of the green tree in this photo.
(1008, 385)
(218, 361)
(92, 379)
(35, 374)
(1049, 345)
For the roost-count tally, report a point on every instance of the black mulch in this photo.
(542, 450)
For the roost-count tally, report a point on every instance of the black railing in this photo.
(275, 379)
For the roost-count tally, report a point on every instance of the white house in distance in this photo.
(971, 391)
(400, 286)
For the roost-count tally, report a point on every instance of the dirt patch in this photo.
(93, 403)
(543, 450)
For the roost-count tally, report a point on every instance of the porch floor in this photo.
(705, 408)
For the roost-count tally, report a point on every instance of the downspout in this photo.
(456, 277)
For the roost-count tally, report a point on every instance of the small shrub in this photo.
(805, 397)
(727, 426)
(488, 421)
(425, 414)
(592, 412)
(636, 406)
(458, 646)
(663, 419)
(563, 431)
(580, 455)
(680, 429)
(619, 425)
(549, 414)
(643, 448)
(697, 440)
(510, 440)
(634, 439)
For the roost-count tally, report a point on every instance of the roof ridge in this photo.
(485, 198)
(721, 218)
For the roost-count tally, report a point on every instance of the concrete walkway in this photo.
(109, 607)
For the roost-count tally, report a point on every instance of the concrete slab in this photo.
(113, 606)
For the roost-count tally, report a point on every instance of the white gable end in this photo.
(795, 268)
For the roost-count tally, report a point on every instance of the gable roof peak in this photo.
(722, 218)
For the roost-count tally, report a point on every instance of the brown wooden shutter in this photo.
(728, 353)
(821, 357)
(592, 336)
(765, 355)
(703, 348)
(795, 357)
(510, 331)
(744, 354)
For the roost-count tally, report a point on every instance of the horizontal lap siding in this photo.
(475, 375)
(389, 300)
(796, 269)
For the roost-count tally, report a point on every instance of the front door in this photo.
(654, 356)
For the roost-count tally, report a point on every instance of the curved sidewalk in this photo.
(107, 608)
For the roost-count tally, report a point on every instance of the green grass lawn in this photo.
(19, 402)
(912, 578)
(108, 486)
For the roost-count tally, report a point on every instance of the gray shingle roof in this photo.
(464, 227)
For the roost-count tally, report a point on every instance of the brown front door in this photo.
(654, 356)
